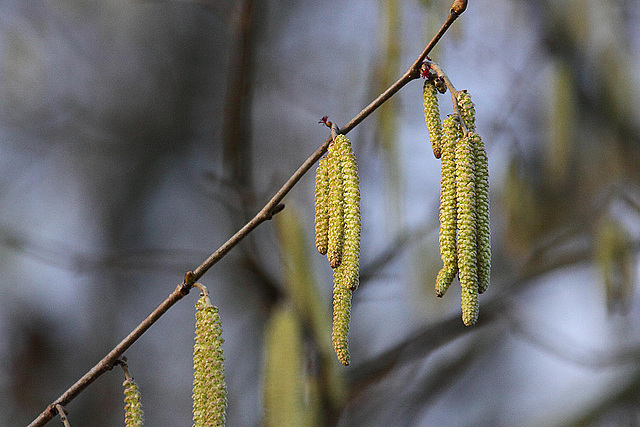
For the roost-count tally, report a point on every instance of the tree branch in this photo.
(272, 207)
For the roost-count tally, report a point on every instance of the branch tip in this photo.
(458, 7)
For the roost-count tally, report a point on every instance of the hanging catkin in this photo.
(133, 416)
(448, 217)
(322, 206)
(209, 389)
(466, 222)
(467, 109)
(351, 211)
(336, 205)
(432, 117)
(483, 231)
(341, 318)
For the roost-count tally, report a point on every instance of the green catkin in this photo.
(432, 117)
(466, 222)
(322, 207)
(133, 415)
(209, 389)
(336, 205)
(467, 110)
(483, 239)
(341, 318)
(351, 203)
(448, 226)
(284, 392)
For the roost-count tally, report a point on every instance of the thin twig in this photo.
(272, 207)
(63, 415)
(106, 364)
(454, 93)
(125, 368)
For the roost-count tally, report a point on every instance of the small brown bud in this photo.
(459, 6)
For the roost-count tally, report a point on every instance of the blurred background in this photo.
(137, 136)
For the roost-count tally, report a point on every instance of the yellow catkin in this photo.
(467, 109)
(209, 388)
(341, 319)
(466, 222)
(351, 205)
(133, 408)
(336, 205)
(483, 239)
(432, 117)
(448, 226)
(322, 206)
(284, 397)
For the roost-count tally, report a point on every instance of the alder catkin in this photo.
(284, 394)
(209, 388)
(447, 214)
(351, 206)
(322, 206)
(432, 117)
(341, 319)
(483, 239)
(133, 416)
(467, 109)
(466, 222)
(336, 205)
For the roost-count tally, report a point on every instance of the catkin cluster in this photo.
(209, 389)
(337, 203)
(464, 237)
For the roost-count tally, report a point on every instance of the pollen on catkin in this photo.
(209, 389)
(341, 319)
(322, 206)
(336, 204)
(466, 222)
(432, 117)
(133, 416)
(447, 214)
(351, 210)
(483, 229)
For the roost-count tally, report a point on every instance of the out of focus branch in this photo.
(272, 207)
(435, 335)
